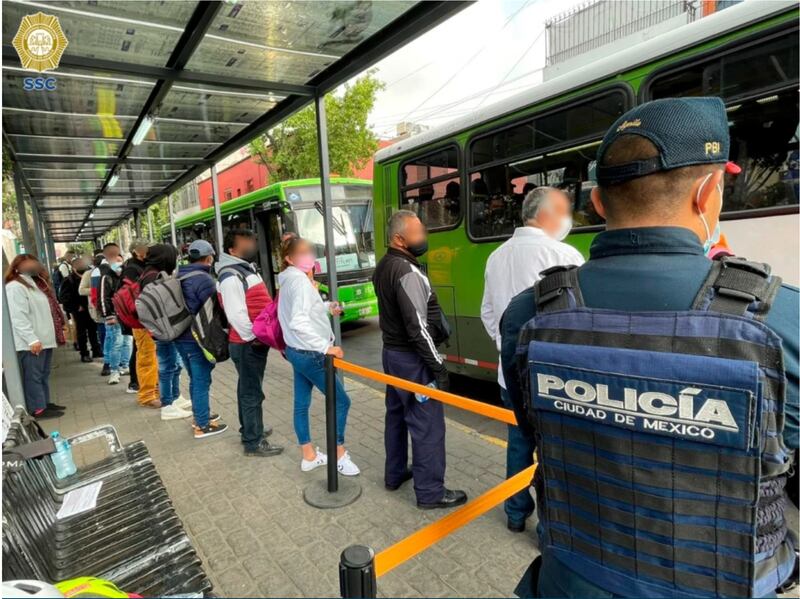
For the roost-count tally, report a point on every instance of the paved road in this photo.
(362, 345)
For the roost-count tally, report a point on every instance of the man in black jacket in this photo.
(413, 325)
(77, 306)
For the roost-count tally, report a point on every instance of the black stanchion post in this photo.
(357, 579)
(330, 423)
(331, 492)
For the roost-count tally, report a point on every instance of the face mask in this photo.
(711, 238)
(305, 262)
(249, 255)
(418, 249)
(29, 273)
(563, 229)
(116, 266)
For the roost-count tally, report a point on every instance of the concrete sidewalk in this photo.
(247, 517)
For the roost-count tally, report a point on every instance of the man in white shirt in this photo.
(510, 269)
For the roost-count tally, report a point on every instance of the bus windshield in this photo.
(352, 234)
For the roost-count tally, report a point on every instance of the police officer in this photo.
(655, 382)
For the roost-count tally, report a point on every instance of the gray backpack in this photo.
(162, 309)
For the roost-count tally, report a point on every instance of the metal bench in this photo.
(133, 537)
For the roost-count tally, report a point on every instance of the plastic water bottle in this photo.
(423, 398)
(62, 458)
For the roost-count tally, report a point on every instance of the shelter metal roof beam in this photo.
(10, 59)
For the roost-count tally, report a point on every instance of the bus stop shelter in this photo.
(148, 95)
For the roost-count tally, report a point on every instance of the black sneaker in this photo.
(448, 500)
(264, 450)
(106, 370)
(85, 359)
(55, 406)
(132, 388)
(213, 428)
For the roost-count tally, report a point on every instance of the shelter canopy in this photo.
(148, 94)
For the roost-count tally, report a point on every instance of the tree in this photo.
(289, 151)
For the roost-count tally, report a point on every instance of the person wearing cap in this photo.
(660, 172)
(132, 269)
(196, 290)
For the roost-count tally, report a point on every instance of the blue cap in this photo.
(686, 131)
(200, 248)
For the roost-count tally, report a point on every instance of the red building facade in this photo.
(246, 175)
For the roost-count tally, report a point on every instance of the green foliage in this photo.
(289, 151)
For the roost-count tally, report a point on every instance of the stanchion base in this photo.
(316, 494)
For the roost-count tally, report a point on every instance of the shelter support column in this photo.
(37, 231)
(171, 210)
(27, 239)
(12, 376)
(137, 224)
(327, 200)
(217, 212)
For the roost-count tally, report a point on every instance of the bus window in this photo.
(431, 188)
(758, 84)
(507, 164)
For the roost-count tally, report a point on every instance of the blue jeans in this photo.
(117, 347)
(101, 338)
(199, 369)
(36, 378)
(519, 455)
(309, 372)
(250, 360)
(169, 372)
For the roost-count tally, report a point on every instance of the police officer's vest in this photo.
(662, 462)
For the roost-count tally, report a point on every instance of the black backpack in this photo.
(210, 329)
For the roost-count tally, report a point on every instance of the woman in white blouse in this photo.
(306, 327)
(34, 333)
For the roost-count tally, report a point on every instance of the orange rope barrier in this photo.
(419, 541)
(470, 405)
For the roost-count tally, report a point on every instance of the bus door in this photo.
(270, 226)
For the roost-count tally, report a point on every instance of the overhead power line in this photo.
(468, 61)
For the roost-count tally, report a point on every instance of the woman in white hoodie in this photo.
(306, 327)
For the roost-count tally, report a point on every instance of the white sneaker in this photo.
(346, 466)
(308, 465)
(113, 378)
(183, 403)
(173, 412)
(124, 371)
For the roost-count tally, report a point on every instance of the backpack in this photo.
(210, 330)
(267, 327)
(162, 309)
(124, 301)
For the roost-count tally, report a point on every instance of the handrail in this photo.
(419, 541)
(470, 405)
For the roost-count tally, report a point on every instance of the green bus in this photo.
(296, 207)
(467, 179)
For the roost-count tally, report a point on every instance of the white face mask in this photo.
(711, 238)
(563, 228)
